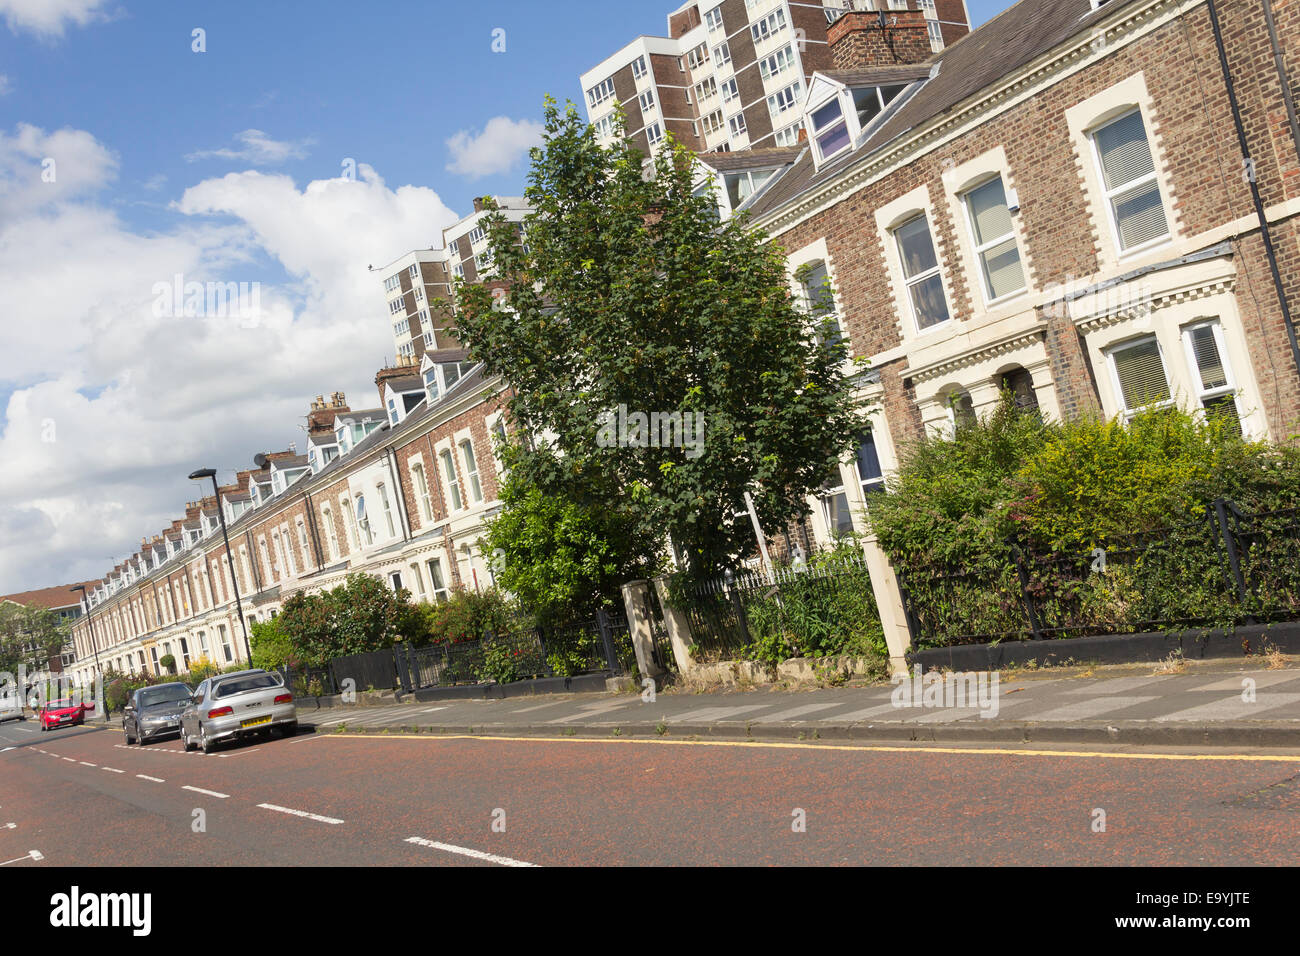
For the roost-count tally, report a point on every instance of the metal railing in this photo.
(1219, 569)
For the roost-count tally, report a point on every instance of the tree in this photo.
(628, 298)
(30, 636)
(360, 615)
(564, 556)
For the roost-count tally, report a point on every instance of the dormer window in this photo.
(830, 130)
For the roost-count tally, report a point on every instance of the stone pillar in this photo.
(889, 602)
(679, 628)
(636, 599)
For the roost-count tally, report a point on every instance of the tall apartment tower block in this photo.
(731, 74)
(418, 285)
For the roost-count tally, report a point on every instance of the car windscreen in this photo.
(59, 704)
(163, 695)
(242, 684)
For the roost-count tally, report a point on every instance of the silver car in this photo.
(233, 706)
(153, 712)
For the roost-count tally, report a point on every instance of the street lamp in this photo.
(230, 558)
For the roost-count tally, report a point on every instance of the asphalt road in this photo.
(81, 797)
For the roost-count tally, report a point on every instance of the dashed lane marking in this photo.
(144, 776)
(301, 813)
(112, 770)
(466, 851)
(210, 793)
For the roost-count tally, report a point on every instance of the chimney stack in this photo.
(861, 39)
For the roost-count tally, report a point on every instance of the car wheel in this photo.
(127, 734)
(185, 741)
(206, 742)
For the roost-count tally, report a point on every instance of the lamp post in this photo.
(90, 619)
(230, 558)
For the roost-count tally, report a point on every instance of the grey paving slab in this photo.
(1264, 707)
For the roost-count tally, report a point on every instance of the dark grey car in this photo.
(153, 712)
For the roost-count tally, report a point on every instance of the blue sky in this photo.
(226, 165)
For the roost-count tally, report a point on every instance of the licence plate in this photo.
(255, 721)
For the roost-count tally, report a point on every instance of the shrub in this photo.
(271, 644)
(167, 662)
(467, 616)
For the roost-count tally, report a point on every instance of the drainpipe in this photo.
(1287, 97)
(1269, 251)
(315, 533)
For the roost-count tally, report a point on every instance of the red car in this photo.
(61, 713)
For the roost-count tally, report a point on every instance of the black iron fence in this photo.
(602, 645)
(813, 609)
(1217, 569)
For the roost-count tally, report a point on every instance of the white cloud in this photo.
(256, 148)
(112, 405)
(498, 148)
(39, 169)
(47, 18)
(5, 86)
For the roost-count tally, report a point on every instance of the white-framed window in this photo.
(414, 271)
(713, 19)
(363, 522)
(729, 90)
(397, 305)
(993, 236)
(331, 533)
(600, 92)
(471, 471)
(459, 270)
(784, 99)
(921, 272)
(419, 293)
(654, 133)
(778, 62)
(422, 497)
(819, 296)
(737, 124)
(698, 57)
(647, 101)
(1137, 369)
(437, 584)
(639, 68)
(224, 639)
(392, 283)
(387, 507)
(770, 25)
(477, 235)
(705, 88)
(1130, 184)
(453, 485)
(350, 524)
(742, 185)
(829, 130)
(604, 126)
(788, 136)
(836, 511)
(713, 122)
(1207, 358)
(721, 54)
(402, 328)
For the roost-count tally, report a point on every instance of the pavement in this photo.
(1207, 703)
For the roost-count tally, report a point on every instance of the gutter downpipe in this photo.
(1269, 251)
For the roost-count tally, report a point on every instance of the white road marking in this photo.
(792, 713)
(112, 770)
(151, 779)
(210, 793)
(300, 813)
(85, 764)
(430, 710)
(715, 713)
(465, 851)
(31, 855)
(1085, 709)
(524, 710)
(1115, 685)
(1234, 708)
(69, 759)
(10, 826)
(6, 750)
(1230, 684)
